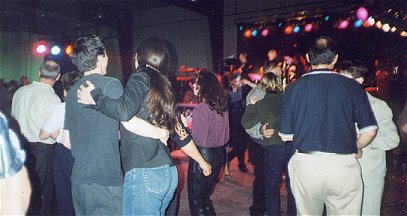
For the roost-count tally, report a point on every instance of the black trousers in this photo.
(259, 201)
(40, 164)
(200, 187)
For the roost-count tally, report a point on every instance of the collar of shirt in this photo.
(43, 85)
(320, 71)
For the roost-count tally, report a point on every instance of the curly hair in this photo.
(211, 91)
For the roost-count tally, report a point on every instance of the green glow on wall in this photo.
(17, 57)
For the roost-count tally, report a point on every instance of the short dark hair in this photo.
(49, 70)
(356, 68)
(85, 52)
(154, 52)
(322, 51)
(69, 79)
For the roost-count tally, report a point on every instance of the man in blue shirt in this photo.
(319, 114)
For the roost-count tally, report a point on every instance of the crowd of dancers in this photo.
(104, 150)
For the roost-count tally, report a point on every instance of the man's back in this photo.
(31, 107)
(322, 112)
(94, 136)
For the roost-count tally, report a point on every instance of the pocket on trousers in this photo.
(156, 180)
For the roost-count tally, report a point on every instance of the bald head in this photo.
(49, 70)
(323, 51)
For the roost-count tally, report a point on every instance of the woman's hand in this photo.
(83, 94)
(206, 168)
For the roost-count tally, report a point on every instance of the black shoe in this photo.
(243, 169)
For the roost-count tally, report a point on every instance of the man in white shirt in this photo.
(31, 106)
(373, 158)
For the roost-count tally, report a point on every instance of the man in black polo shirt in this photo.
(319, 114)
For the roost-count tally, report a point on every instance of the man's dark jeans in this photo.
(276, 159)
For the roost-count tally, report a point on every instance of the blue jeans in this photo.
(148, 191)
(276, 159)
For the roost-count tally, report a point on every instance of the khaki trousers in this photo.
(325, 178)
(372, 194)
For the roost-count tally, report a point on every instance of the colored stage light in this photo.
(403, 34)
(379, 24)
(366, 24)
(371, 21)
(247, 33)
(362, 13)
(386, 27)
(288, 29)
(393, 29)
(55, 50)
(308, 27)
(326, 18)
(254, 33)
(68, 50)
(343, 24)
(296, 29)
(358, 23)
(241, 28)
(41, 48)
(265, 32)
(280, 24)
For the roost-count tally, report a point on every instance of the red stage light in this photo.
(247, 33)
(308, 27)
(288, 29)
(366, 24)
(343, 24)
(41, 48)
(68, 50)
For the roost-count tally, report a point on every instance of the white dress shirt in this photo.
(32, 105)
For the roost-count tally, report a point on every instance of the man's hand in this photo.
(55, 134)
(267, 133)
(253, 100)
(83, 94)
(359, 154)
(206, 168)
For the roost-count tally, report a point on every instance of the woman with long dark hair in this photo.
(150, 174)
(210, 131)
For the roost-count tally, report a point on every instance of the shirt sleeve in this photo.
(286, 119)
(200, 126)
(387, 137)
(53, 121)
(363, 114)
(128, 104)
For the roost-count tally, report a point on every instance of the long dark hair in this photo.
(152, 56)
(211, 91)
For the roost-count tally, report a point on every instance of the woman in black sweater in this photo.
(150, 174)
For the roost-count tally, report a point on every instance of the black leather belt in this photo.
(319, 152)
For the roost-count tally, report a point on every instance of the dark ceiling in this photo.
(53, 17)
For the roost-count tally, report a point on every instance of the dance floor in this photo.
(234, 196)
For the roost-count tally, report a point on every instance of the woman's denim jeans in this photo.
(148, 191)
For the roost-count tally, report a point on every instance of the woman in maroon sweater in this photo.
(210, 131)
